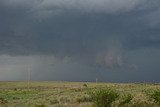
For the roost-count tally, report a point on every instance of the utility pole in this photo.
(96, 80)
(29, 76)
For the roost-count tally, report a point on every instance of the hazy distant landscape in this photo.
(78, 94)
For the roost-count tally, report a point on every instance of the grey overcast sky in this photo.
(80, 40)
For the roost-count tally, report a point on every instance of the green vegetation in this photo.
(78, 94)
(155, 94)
(104, 98)
(126, 100)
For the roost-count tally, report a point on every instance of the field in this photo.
(77, 94)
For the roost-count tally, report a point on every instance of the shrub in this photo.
(3, 101)
(85, 98)
(104, 98)
(141, 100)
(126, 99)
(64, 99)
(85, 85)
(15, 89)
(54, 101)
(156, 96)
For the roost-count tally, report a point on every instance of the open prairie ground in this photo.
(78, 94)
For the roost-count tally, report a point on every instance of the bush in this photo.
(104, 98)
(64, 99)
(54, 101)
(85, 85)
(3, 101)
(156, 96)
(126, 99)
(85, 98)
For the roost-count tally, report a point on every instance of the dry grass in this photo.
(72, 94)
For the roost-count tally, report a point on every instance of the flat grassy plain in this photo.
(74, 94)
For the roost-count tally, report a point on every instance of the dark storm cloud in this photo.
(51, 26)
(91, 32)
